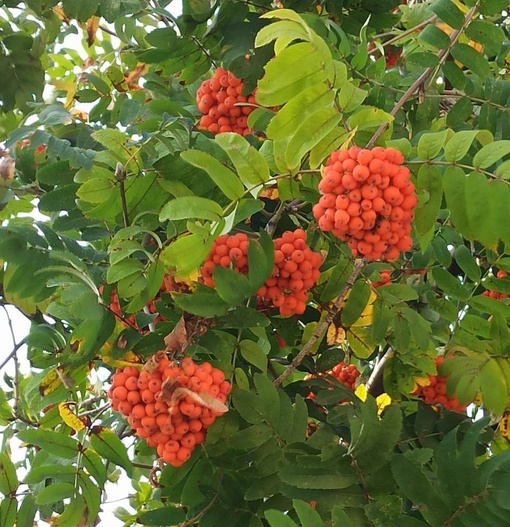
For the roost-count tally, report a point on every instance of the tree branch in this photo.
(420, 81)
(323, 326)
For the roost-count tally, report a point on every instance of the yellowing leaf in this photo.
(50, 383)
(504, 425)
(69, 86)
(91, 28)
(69, 417)
(382, 400)
(335, 335)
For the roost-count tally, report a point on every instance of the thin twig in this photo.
(323, 326)
(420, 81)
(378, 370)
(400, 36)
(12, 354)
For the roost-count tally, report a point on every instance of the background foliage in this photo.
(131, 189)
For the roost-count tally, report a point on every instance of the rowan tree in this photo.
(264, 250)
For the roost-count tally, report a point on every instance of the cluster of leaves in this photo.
(127, 190)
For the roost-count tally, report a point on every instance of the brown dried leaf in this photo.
(134, 76)
(7, 170)
(91, 27)
(152, 364)
(177, 340)
(202, 398)
(335, 335)
(59, 11)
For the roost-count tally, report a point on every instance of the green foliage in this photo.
(126, 192)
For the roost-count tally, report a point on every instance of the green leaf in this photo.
(448, 12)
(423, 59)
(493, 386)
(249, 438)
(460, 112)
(340, 517)
(361, 341)
(94, 464)
(260, 260)
(454, 186)
(316, 478)
(204, 303)
(311, 132)
(249, 405)
(471, 59)
(73, 513)
(249, 163)
(253, 354)
(39, 474)
(54, 493)
(326, 146)
(186, 253)
(339, 276)
(308, 516)
(434, 36)
(191, 207)
(298, 110)
(467, 263)
(491, 153)
(109, 446)
(26, 513)
(164, 516)
(278, 519)
(430, 189)
(369, 118)
(351, 97)
(269, 397)
(415, 486)
(226, 180)
(430, 144)
(123, 269)
(488, 34)
(57, 444)
(8, 478)
(459, 144)
(449, 284)
(356, 303)
(232, 286)
(8, 510)
(91, 493)
(293, 70)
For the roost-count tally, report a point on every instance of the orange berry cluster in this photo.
(435, 392)
(217, 99)
(295, 272)
(496, 294)
(170, 405)
(368, 201)
(385, 279)
(228, 250)
(344, 373)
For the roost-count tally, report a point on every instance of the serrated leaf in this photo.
(186, 253)
(278, 519)
(249, 163)
(467, 263)
(109, 446)
(471, 59)
(298, 110)
(459, 144)
(294, 69)
(351, 97)
(448, 12)
(361, 342)
(430, 191)
(356, 303)
(73, 513)
(491, 153)
(164, 516)
(494, 386)
(8, 510)
(226, 180)
(430, 144)
(232, 286)
(54, 493)
(8, 478)
(191, 207)
(253, 354)
(308, 516)
(57, 444)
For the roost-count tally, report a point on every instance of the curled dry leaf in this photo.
(174, 394)
(177, 340)
(152, 364)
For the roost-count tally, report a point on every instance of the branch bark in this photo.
(323, 326)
